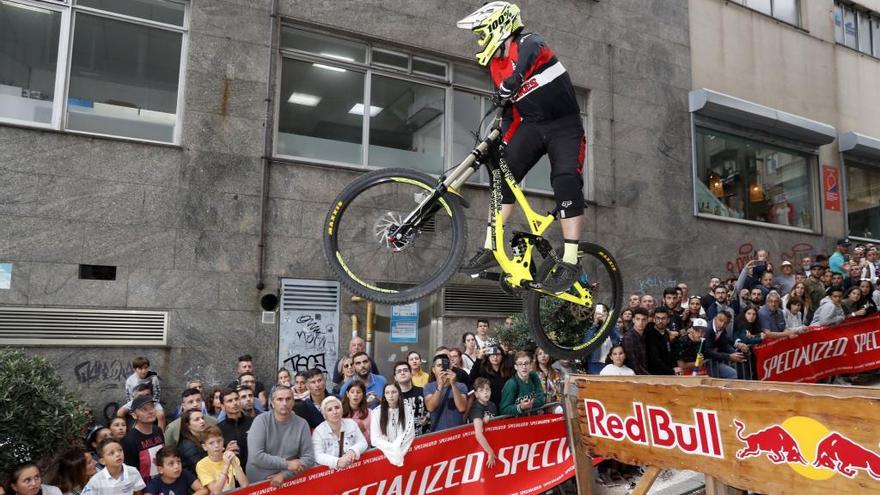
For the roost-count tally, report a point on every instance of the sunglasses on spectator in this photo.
(346, 365)
(525, 363)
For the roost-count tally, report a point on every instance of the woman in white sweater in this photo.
(392, 426)
(337, 441)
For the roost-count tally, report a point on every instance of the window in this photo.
(863, 199)
(857, 28)
(348, 102)
(109, 91)
(784, 10)
(740, 178)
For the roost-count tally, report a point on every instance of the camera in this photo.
(444, 363)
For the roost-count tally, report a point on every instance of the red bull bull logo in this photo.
(809, 448)
(774, 441)
(654, 426)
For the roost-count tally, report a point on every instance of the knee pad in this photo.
(568, 188)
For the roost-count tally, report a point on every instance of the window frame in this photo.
(448, 84)
(850, 161)
(859, 13)
(797, 24)
(813, 172)
(69, 10)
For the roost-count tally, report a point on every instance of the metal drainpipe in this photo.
(269, 133)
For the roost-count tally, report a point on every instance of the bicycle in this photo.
(396, 235)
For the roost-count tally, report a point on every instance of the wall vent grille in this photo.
(81, 327)
(479, 300)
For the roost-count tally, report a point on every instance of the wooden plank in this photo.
(583, 462)
(647, 480)
(769, 438)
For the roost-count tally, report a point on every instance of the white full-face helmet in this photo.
(493, 23)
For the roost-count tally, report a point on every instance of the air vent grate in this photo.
(309, 295)
(479, 300)
(81, 327)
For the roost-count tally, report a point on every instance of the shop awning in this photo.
(859, 145)
(752, 115)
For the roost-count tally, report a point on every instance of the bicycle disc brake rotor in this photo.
(580, 313)
(385, 228)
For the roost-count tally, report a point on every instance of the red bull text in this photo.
(653, 426)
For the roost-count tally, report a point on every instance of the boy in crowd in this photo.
(142, 375)
(116, 478)
(144, 438)
(523, 392)
(172, 479)
(482, 411)
(220, 470)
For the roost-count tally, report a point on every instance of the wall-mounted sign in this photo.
(405, 323)
(5, 275)
(763, 436)
(831, 187)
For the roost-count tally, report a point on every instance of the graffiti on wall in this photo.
(309, 340)
(747, 252)
(651, 284)
(100, 373)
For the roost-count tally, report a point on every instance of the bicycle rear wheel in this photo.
(572, 331)
(362, 250)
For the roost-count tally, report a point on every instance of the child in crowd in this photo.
(117, 478)
(118, 428)
(93, 438)
(143, 375)
(172, 478)
(221, 469)
(616, 366)
(523, 392)
(482, 411)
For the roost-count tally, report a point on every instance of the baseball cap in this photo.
(699, 323)
(91, 432)
(843, 242)
(786, 263)
(140, 402)
(816, 265)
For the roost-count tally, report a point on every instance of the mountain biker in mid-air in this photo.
(542, 117)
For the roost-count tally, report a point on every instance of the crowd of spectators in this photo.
(724, 324)
(246, 432)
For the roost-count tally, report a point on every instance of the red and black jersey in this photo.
(540, 85)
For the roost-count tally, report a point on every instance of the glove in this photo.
(499, 99)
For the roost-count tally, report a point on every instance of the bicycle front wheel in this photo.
(572, 331)
(363, 251)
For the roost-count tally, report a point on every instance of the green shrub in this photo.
(563, 322)
(38, 414)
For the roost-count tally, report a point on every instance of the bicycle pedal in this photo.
(488, 276)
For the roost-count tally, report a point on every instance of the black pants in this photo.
(563, 141)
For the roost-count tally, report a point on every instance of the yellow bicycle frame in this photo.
(517, 270)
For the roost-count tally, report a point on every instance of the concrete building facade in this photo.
(195, 150)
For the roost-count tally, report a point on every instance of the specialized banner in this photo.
(851, 347)
(532, 456)
(767, 437)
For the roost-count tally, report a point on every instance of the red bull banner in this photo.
(851, 347)
(532, 456)
(775, 438)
